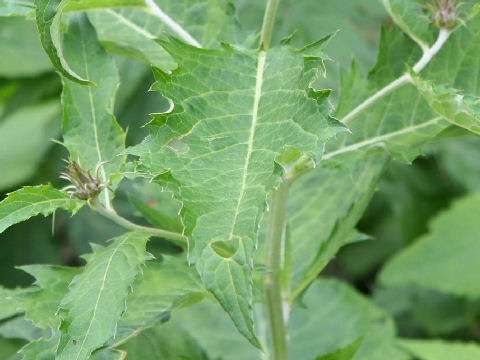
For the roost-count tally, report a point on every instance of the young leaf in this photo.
(440, 350)
(48, 17)
(446, 258)
(29, 201)
(96, 298)
(90, 130)
(240, 110)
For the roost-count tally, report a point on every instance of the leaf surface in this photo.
(216, 150)
(29, 201)
(324, 207)
(32, 126)
(446, 258)
(48, 17)
(162, 288)
(133, 32)
(441, 350)
(96, 298)
(90, 130)
(404, 120)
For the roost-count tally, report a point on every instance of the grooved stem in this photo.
(275, 241)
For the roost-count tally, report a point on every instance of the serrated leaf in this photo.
(41, 349)
(41, 302)
(462, 110)
(48, 15)
(162, 288)
(440, 349)
(29, 201)
(239, 111)
(451, 248)
(90, 130)
(132, 32)
(402, 121)
(96, 298)
(323, 208)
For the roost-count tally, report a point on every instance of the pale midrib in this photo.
(131, 24)
(379, 139)
(256, 100)
(95, 132)
(100, 294)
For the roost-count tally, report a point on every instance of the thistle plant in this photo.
(445, 14)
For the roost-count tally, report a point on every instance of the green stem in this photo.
(268, 22)
(275, 240)
(112, 215)
(275, 232)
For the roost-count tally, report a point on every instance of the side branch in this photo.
(402, 80)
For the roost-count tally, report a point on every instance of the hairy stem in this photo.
(112, 215)
(275, 240)
(427, 56)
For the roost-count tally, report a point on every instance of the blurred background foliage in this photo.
(407, 200)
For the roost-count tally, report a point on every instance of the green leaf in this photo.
(163, 342)
(162, 288)
(22, 53)
(346, 353)
(41, 349)
(29, 201)
(90, 130)
(213, 330)
(335, 316)
(39, 124)
(460, 159)
(96, 298)
(231, 123)
(408, 15)
(19, 328)
(41, 302)
(459, 109)
(441, 350)
(446, 258)
(156, 217)
(48, 15)
(16, 8)
(323, 209)
(133, 32)
(401, 122)
(9, 308)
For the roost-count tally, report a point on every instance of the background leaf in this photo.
(96, 298)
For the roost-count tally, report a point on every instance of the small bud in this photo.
(445, 14)
(83, 185)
